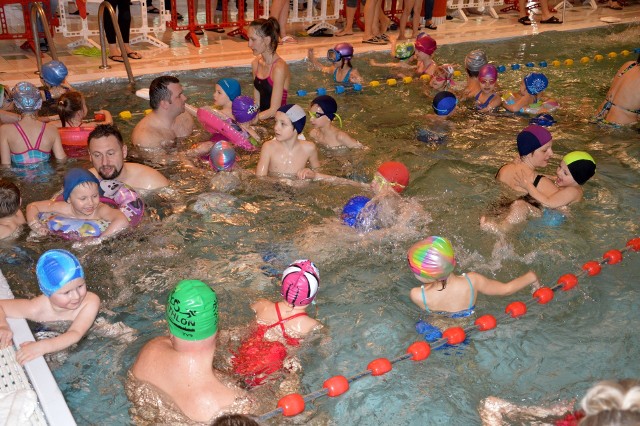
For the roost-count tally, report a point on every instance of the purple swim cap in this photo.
(488, 71)
(300, 282)
(244, 109)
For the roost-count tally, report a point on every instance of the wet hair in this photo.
(268, 28)
(159, 90)
(9, 198)
(235, 420)
(612, 403)
(103, 130)
(68, 105)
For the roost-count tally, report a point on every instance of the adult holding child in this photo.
(271, 76)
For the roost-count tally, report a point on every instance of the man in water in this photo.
(108, 152)
(178, 367)
(168, 119)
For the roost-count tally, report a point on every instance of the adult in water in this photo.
(271, 74)
(168, 119)
(108, 152)
(622, 104)
(179, 367)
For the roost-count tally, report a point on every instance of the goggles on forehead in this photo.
(335, 56)
(381, 181)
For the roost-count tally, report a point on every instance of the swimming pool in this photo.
(234, 239)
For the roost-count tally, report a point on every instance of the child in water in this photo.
(81, 201)
(227, 89)
(575, 169)
(323, 110)
(53, 77)
(11, 217)
(286, 155)
(442, 78)
(65, 298)
(529, 99)
(72, 110)
(424, 47)
(280, 325)
(343, 71)
(487, 99)
(432, 262)
(473, 62)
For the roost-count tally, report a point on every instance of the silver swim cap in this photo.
(475, 60)
(26, 97)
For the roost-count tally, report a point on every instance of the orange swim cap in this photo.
(396, 174)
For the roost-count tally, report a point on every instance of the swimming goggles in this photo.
(382, 182)
(486, 80)
(315, 114)
(335, 56)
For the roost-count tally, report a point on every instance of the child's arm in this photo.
(13, 308)
(316, 64)
(345, 139)
(491, 287)
(108, 118)
(57, 149)
(118, 221)
(79, 327)
(8, 117)
(5, 151)
(246, 127)
(562, 197)
(314, 163)
(262, 169)
(36, 207)
(518, 104)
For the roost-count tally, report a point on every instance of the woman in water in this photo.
(622, 104)
(271, 74)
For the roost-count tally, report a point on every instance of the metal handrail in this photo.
(103, 39)
(36, 10)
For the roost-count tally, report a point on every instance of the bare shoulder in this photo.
(92, 300)
(260, 305)
(308, 146)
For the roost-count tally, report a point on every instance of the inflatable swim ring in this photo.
(217, 123)
(115, 194)
(75, 136)
(536, 108)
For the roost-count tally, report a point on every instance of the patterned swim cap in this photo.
(54, 73)
(300, 282)
(244, 109)
(432, 258)
(405, 50)
(396, 174)
(192, 311)
(26, 97)
(535, 82)
(581, 165)
(55, 269)
(475, 60)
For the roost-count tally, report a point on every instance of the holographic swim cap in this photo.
(192, 311)
(444, 103)
(475, 60)
(26, 97)
(54, 73)
(339, 52)
(432, 258)
(222, 156)
(244, 109)
(531, 138)
(535, 82)
(581, 165)
(396, 174)
(426, 44)
(55, 269)
(488, 71)
(300, 282)
(405, 50)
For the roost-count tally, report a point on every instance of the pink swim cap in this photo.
(488, 70)
(300, 282)
(426, 44)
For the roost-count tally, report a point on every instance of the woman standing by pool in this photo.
(271, 74)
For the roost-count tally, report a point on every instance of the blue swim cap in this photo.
(444, 103)
(75, 177)
(544, 120)
(54, 73)
(230, 86)
(535, 83)
(351, 210)
(55, 269)
(26, 97)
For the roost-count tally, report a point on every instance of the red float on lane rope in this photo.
(592, 267)
(337, 385)
(613, 256)
(292, 404)
(569, 281)
(544, 295)
(419, 350)
(486, 322)
(634, 244)
(379, 366)
(516, 309)
(454, 335)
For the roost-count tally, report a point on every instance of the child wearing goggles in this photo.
(340, 56)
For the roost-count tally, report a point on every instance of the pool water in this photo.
(235, 232)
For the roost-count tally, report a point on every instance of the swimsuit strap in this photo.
(424, 299)
(44, 125)
(471, 286)
(536, 181)
(627, 69)
(281, 320)
(335, 75)
(269, 79)
(346, 77)
(478, 95)
(24, 136)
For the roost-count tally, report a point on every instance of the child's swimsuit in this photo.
(346, 77)
(486, 103)
(462, 313)
(257, 357)
(33, 154)
(264, 86)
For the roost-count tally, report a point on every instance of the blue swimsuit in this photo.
(459, 314)
(346, 77)
(485, 104)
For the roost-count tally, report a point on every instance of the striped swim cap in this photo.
(432, 258)
(300, 282)
(581, 165)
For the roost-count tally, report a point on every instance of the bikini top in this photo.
(461, 313)
(33, 154)
(264, 86)
(346, 77)
(486, 103)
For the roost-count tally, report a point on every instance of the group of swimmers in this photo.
(192, 306)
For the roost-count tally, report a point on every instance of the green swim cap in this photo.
(192, 310)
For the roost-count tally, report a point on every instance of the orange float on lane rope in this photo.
(516, 309)
(419, 350)
(292, 404)
(634, 244)
(592, 267)
(569, 281)
(454, 335)
(486, 322)
(613, 256)
(544, 295)
(336, 385)
(379, 366)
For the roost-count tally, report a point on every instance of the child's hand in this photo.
(536, 284)
(306, 173)
(523, 180)
(29, 351)
(5, 336)
(39, 229)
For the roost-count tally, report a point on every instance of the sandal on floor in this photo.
(431, 27)
(134, 55)
(116, 58)
(216, 30)
(374, 40)
(614, 5)
(525, 20)
(153, 9)
(552, 20)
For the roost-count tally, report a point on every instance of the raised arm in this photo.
(316, 64)
(491, 287)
